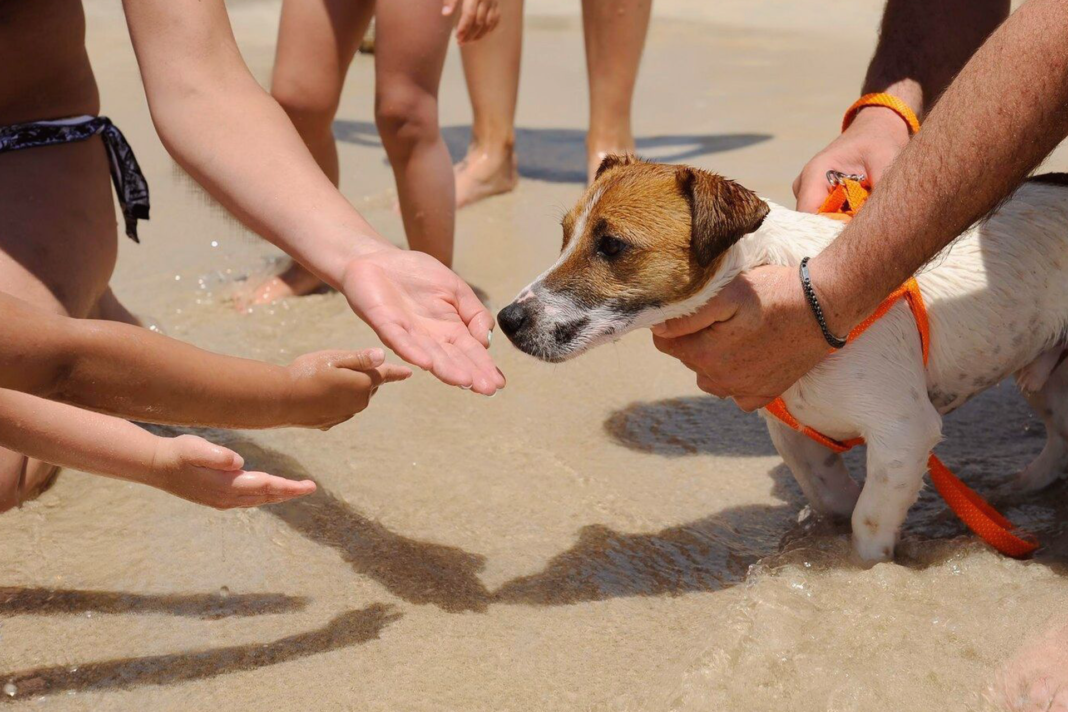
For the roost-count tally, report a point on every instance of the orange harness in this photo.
(842, 203)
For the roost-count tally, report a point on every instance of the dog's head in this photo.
(644, 237)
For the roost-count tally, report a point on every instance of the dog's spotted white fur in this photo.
(998, 304)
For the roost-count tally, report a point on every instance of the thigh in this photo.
(58, 232)
(411, 39)
(317, 40)
(820, 472)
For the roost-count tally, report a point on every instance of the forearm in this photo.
(135, 373)
(923, 44)
(235, 140)
(1004, 113)
(67, 436)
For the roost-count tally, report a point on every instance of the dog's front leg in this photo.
(821, 472)
(897, 459)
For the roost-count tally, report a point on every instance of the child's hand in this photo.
(192, 468)
(477, 17)
(329, 387)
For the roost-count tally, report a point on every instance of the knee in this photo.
(917, 430)
(406, 116)
(928, 429)
(311, 108)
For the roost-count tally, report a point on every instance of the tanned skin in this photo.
(186, 466)
(131, 372)
(135, 373)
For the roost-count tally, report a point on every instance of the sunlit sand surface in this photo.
(598, 536)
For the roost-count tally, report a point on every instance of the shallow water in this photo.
(599, 536)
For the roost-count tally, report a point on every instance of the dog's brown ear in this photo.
(613, 160)
(721, 212)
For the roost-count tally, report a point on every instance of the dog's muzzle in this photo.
(529, 326)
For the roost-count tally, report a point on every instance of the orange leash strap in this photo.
(846, 198)
(978, 515)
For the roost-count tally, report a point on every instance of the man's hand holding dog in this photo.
(752, 341)
(867, 148)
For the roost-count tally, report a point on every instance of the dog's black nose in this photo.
(512, 319)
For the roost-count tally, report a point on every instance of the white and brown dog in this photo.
(648, 242)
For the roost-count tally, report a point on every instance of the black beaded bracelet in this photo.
(810, 294)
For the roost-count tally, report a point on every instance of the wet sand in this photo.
(599, 536)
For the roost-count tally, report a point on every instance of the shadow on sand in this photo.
(692, 425)
(16, 601)
(559, 155)
(703, 555)
(700, 556)
(348, 629)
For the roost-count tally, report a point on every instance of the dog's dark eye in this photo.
(608, 246)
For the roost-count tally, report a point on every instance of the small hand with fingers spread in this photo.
(477, 17)
(329, 387)
(430, 317)
(867, 147)
(196, 470)
(750, 342)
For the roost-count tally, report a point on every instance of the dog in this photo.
(648, 242)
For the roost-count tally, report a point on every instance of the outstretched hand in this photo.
(196, 470)
(329, 387)
(750, 342)
(429, 317)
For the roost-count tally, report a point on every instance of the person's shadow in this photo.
(344, 630)
(704, 555)
(16, 601)
(559, 155)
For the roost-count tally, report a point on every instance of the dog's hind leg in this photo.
(820, 472)
(1051, 404)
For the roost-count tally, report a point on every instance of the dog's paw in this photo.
(873, 549)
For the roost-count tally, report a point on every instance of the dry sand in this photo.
(599, 536)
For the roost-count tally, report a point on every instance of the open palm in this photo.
(430, 317)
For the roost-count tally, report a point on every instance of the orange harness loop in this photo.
(842, 203)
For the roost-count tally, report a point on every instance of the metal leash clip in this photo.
(838, 177)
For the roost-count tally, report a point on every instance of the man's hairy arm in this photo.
(1001, 117)
(924, 43)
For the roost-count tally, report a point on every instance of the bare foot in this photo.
(1037, 678)
(295, 281)
(484, 173)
